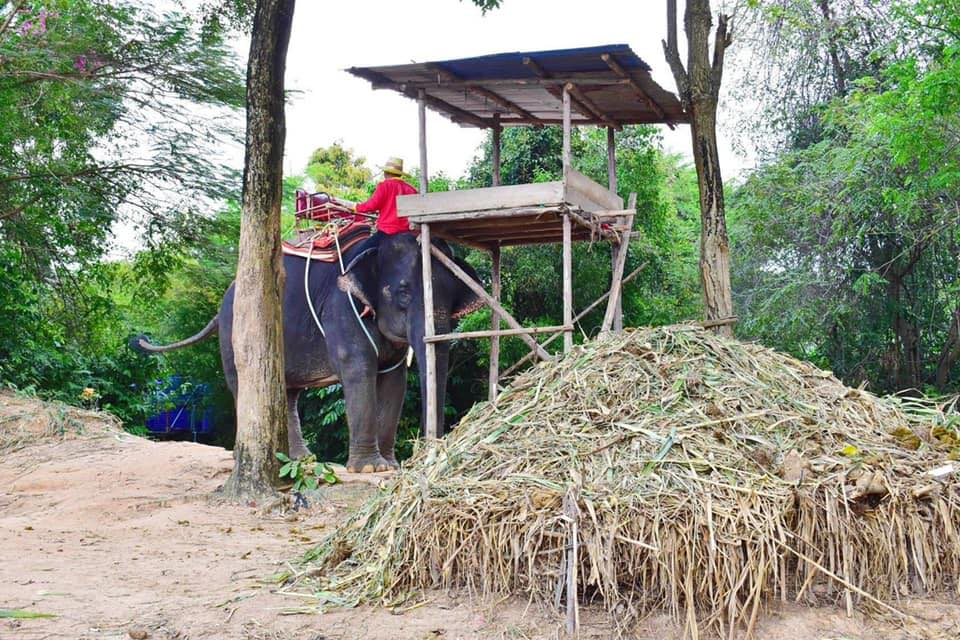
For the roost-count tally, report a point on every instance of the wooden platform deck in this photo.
(519, 214)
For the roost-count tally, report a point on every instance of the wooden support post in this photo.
(431, 427)
(494, 316)
(493, 304)
(616, 280)
(422, 105)
(612, 180)
(566, 133)
(567, 283)
(497, 129)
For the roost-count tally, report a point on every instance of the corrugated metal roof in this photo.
(610, 85)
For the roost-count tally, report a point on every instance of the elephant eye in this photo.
(403, 296)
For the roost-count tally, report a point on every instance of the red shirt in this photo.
(384, 200)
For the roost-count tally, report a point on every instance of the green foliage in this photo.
(306, 473)
(335, 170)
(846, 252)
(101, 135)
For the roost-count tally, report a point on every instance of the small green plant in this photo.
(306, 472)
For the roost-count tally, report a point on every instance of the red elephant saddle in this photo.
(323, 243)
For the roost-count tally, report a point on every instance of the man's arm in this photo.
(376, 201)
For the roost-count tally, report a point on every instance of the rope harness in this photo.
(333, 228)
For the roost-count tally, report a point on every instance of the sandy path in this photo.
(120, 537)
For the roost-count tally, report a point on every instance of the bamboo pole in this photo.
(616, 284)
(430, 351)
(567, 283)
(497, 130)
(612, 181)
(493, 304)
(566, 132)
(579, 316)
(494, 376)
(422, 108)
(487, 333)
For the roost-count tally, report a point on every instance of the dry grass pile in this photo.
(660, 469)
(25, 421)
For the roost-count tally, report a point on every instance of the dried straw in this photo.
(664, 469)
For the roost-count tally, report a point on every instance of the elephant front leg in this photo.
(298, 447)
(391, 387)
(360, 397)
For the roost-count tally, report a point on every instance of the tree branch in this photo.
(722, 41)
(672, 53)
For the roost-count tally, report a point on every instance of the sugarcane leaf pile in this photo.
(664, 469)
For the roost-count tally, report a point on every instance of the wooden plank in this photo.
(617, 68)
(579, 316)
(560, 94)
(458, 115)
(587, 194)
(616, 280)
(494, 373)
(440, 233)
(431, 427)
(617, 213)
(422, 112)
(495, 334)
(549, 82)
(591, 106)
(483, 199)
(612, 185)
(506, 216)
(525, 223)
(567, 283)
(483, 92)
(493, 304)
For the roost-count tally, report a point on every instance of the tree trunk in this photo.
(257, 311)
(699, 87)
(950, 353)
(908, 370)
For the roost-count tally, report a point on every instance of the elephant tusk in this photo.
(409, 356)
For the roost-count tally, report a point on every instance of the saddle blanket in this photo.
(321, 245)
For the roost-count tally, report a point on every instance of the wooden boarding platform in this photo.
(518, 214)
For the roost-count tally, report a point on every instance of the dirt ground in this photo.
(121, 537)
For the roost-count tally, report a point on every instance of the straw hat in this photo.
(394, 167)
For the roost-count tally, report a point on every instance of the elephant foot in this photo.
(369, 464)
(299, 451)
(392, 463)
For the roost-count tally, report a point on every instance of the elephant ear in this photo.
(360, 277)
(465, 301)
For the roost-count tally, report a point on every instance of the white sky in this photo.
(333, 105)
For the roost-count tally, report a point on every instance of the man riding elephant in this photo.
(327, 341)
(384, 199)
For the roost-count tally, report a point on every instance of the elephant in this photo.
(383, 274)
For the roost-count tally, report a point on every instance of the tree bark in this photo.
(258, 312)
(950, 353)
(699, 88)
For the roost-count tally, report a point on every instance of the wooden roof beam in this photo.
(591, 106)
(558, 81)
(455, 113)
(486, 93)
(556, 91)
(617, 68)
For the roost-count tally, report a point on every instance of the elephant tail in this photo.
(142, 344)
